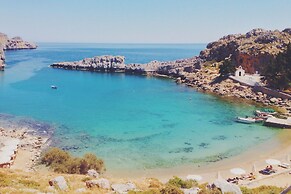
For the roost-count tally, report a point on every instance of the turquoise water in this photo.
(132, 122)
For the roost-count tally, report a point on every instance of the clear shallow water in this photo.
(132, 122)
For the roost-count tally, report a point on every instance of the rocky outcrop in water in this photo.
(15, 43)
(99, 63)
(252, 50)
(117, 64)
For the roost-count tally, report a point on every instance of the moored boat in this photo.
(247, 120)
(54, 87)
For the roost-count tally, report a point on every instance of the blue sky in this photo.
(139, 21)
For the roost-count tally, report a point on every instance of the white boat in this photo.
(247, 120)
(264, 115)
(263, 112)
(54, 87)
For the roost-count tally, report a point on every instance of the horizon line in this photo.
(181, 43)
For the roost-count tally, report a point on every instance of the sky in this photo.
(139, 21)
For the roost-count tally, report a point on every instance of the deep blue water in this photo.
(132, 122)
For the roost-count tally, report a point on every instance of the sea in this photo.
(131, 122)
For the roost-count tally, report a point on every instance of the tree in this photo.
(227, 68)
(278, 71)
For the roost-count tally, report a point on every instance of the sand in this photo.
(276, 148)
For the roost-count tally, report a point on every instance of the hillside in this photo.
(252, 50)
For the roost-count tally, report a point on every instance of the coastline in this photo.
(278, 147)
(33, 136)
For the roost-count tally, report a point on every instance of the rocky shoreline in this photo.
(251, 51)
(34, 137)
(198, 76)
(15, 43)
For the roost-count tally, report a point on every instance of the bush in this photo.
(227, 68)
(278, 71)
(62, 162)
(177, 182)
(262, 190)
(171, 189)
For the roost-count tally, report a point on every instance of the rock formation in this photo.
(117, 64)
(15, 43)
(3, 40)
(99, 63)
(252, 50)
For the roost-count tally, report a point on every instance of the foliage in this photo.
(278, 71)
(151, 191)
(227, 68)
(62, 162)
(171, 189)
(177, 182)
(204, 190)
(262, 190)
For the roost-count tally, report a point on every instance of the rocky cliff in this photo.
(15, 43)
(3, 40)
(252, 50)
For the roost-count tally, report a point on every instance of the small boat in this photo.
(264, 115)
(247, 120)
(264, 112)
(54, 87)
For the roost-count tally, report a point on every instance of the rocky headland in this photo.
(252, 51)
(15, 43)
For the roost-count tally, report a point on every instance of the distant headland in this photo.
(15, 43)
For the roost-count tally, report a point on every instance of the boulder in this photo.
(59, 182)
(101, 183)
(191, 191)
(273, 100)
(81, 190)
(123, 188)
(93, 173)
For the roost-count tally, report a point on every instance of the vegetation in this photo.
(177, 182)
(227, 68)
(14, 181)
(62, 162)
(262, 190)
(278, 71)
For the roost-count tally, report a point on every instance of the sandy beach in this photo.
(31, 146)
(277, 148)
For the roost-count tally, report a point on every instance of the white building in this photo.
(239, 72)
(246, 79)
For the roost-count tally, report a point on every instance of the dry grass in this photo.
(14, 181)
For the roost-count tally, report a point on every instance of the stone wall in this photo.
(271, 92)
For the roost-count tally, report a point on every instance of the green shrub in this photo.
(177, 182)
(171, 189)
(62, 162)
